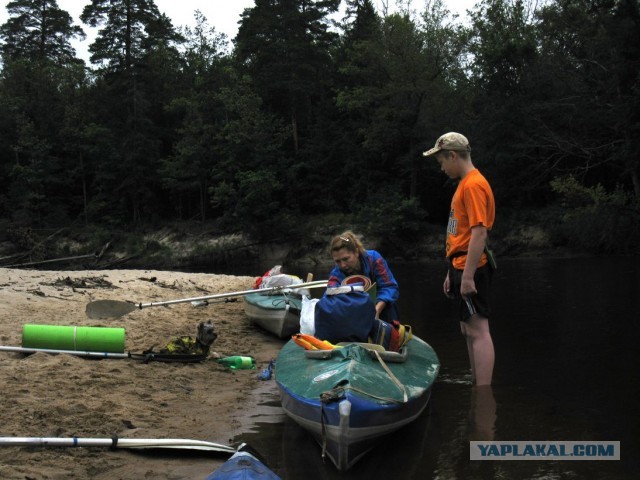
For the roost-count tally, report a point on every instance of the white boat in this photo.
(277, 313)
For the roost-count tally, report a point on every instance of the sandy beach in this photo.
(48, 395)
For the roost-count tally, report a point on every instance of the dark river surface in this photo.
(566, 334)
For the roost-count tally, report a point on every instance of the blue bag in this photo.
(344, 314)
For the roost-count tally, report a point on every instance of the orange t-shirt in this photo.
(472, 205)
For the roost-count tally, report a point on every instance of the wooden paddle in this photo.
(116, 308)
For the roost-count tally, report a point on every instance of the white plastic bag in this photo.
(280, 280)
(308, 315)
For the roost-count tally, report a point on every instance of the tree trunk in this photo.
(294, 131)
(203, 200)
(636, 184)
(84, 190)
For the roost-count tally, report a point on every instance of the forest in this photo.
(303, 116)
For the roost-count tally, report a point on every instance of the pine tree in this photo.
(38, 29)
(284, 46)
(40, 76)
(136, 59)
(129, 29)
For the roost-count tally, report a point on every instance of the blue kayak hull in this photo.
(243, 466)
(348, 403)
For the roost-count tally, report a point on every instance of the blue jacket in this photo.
(374, 266)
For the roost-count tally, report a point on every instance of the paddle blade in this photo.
(108, 309)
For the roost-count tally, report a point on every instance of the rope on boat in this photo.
(405, 397)
(283, 299)
(338, 393)
(281, 302)
(323, 432)
(333, 395)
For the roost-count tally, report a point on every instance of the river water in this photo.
(565, 334)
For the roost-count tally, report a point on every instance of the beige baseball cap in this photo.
(450, 141)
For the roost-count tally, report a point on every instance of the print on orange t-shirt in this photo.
(472, 205)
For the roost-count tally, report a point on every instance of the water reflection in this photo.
(482, 413)
(565, 333)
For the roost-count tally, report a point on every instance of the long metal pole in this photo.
(116, 442)
(69, 352)
(316, 284)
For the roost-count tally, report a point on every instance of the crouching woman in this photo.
(351, 258)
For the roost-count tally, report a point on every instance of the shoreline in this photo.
(66, 395)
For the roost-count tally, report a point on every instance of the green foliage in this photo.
(300, 118)
(579, 196)
(595, 219)
(38, 30)
(129, 30)
(255, 203)
(389, 215)
(284, 46)
(503, 45)
(394, 90)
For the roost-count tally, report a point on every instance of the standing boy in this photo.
(469, 274)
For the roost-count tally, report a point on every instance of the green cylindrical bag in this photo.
(90, 339)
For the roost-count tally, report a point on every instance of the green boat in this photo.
(349, 398)
(278, 313)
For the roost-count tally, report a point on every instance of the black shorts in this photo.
(478, 303)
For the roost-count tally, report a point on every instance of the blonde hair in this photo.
(347, 240)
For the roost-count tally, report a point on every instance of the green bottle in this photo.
(238, 362)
